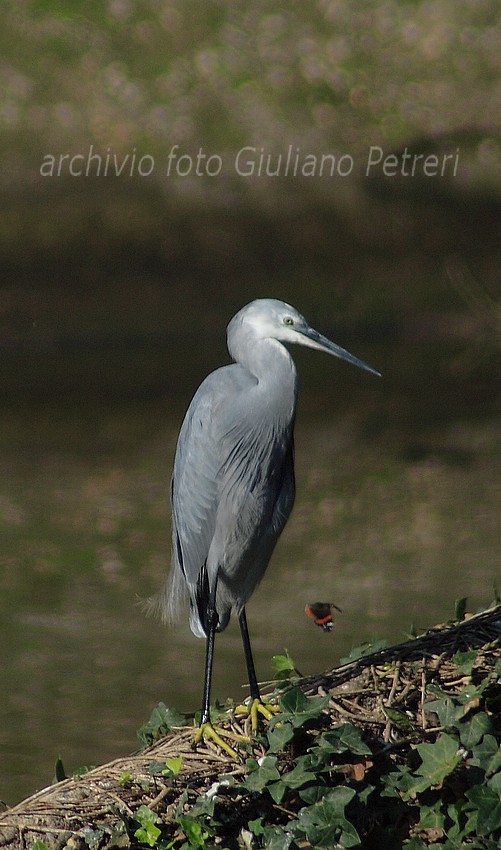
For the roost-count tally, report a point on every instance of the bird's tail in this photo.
(167, 605)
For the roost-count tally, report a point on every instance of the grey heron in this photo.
(232, 487)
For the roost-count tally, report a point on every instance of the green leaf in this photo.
(447, 710)
(488, 801)
(261, 773)
(313, 793)
(194, 831)
(59, 771)
(466, 661)
(324, 823)
(256, 826)
(345, 738)
(161, 721)
(145, 815)
(431, 817)
(293, 701)
(148, 832)
(92, 837)
(279, 735)
(472, 731)
(395, 782)
(277, 791)
(365, 648)
(398, 717)
(156, 768)
(297, 777)
(276, 838)
(173, 766)
(487, 755)
(495, 783)
(298, 708)
(40, 845)
(204, 805)
(438, 759)
(460, 608)
(283, 665)
(471, 693)
(455, 812)
(409, 785)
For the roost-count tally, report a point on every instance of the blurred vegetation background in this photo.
(133, 78)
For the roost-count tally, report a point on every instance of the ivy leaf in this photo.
(297, 777)
(313, 793)
(161, 721)
(256, 826)
(173, 766)
(487, 755)
(279, 735)
(447, 711)
(398, 718)
(261, 773)
(147, 832)
(345, 738)
(298, 708)
(455, 811)
(365, 648)
(204, 805)
(277, 791)
(472, 731)
(405, 784)
(283, 665)
(438, 759)
(92, 837)
(487, 798)
(324, 823)
(275, 838)
(194, 831)
(465, 661)
(431, 818)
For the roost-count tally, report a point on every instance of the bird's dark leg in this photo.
(256, 705)
(251, 670)
(206, 729)
(211, 626)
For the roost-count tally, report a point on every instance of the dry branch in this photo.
(365, 692)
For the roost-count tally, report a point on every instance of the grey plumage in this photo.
(232, 487)
(233, 481)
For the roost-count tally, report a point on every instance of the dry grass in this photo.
(383, 693)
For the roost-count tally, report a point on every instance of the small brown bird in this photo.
(321, 612)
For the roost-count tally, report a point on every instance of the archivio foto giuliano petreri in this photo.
(250, 161)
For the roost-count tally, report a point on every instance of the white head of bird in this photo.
(275, 321)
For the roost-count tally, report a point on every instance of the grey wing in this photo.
(194, 497)
(194, 506)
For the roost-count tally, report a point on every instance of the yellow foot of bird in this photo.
(206, 732)
(257, 707)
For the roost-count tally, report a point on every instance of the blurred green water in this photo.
(397, 515)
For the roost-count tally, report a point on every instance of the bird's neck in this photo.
(270, 362)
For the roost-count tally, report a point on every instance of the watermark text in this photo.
(251, 162)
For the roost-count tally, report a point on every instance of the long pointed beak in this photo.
(312, 339)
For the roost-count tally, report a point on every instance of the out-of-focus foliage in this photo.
(132, 79)
(330, 73)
